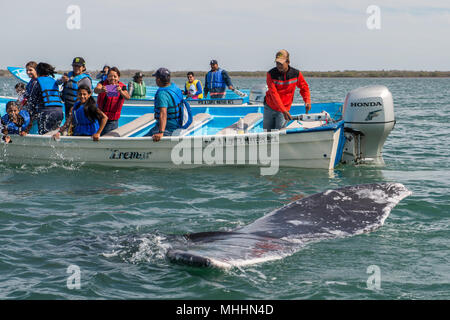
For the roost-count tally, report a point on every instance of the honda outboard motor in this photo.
(369, 118)
(257, 94)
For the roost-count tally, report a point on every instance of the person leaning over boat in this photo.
(193, 88)
(216, 81)
(136, 88)
(167, 102)
(49, 107)
(71, 82)
(86, 119)
(15, 121)
(111, 96)
(282, 81)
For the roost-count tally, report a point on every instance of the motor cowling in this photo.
(369, 118)
(257, 94)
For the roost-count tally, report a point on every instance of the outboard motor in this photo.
(369, 118)
(257, 94)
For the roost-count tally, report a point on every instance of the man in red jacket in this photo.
(282, 81)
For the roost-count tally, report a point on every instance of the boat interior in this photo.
(136, 121)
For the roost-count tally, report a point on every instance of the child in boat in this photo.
(111, 96)
(87, 119)
(15, 121)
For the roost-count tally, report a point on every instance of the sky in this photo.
(240, 34)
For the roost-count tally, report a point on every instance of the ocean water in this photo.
(116, 225)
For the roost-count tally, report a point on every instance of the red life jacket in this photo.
(111, 106)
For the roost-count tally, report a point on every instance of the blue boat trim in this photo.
(340, 148)
(333, 126)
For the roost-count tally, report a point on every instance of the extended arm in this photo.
(227, 80)
(206, 86)
(123, 92)
(162, 124)
(104, 119)
(304, 91)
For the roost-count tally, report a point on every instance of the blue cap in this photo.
(162, 73)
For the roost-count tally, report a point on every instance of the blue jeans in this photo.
(110, 126)
(155, 130)
(272, 119)
(49, 119)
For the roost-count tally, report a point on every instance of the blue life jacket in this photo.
(82, 125)
(215, 80)
(50, 92)
(12, 127)
(70, 90)
(181, 111)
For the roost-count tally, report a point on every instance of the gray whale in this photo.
(331, 214)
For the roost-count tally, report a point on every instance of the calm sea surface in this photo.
(116, 225)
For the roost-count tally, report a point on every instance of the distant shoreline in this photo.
(309, 74)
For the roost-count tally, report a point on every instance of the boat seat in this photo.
(198, 121)
(303, 124)
(132, 126)
(250, 120)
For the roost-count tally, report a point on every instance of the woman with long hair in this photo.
(87, 119)
(111, 96)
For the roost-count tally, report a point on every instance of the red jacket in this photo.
(111, 106)
(282, 88)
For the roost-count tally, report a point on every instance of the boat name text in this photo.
(129, 155)
(212, 101)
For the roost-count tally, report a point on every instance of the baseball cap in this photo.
(213, 61)
(139, 74)
(78, 61)
(162, 73)
(282, 56)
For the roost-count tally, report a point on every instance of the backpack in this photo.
(185, 119)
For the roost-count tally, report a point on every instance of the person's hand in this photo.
(119, 88)
(23, 133)
(102, 88)
(56, 136)
(307, 107)
(157, 136)
(7, 139)
(96, 136)
(231, 88)
(287, 115)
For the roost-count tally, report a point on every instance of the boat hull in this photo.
(314, 149)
